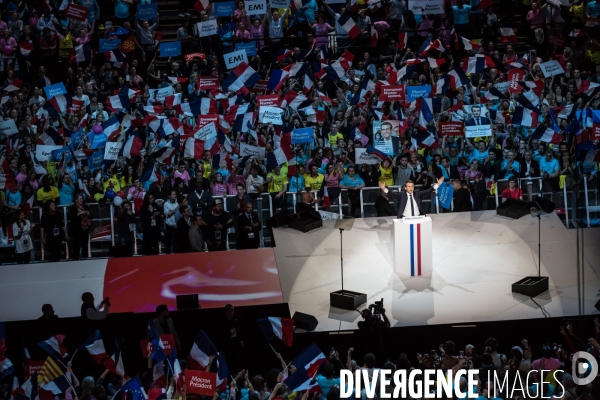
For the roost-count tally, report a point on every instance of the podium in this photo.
(411, 238)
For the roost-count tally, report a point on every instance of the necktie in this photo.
(412, 207)
(478, 123)
(249, 217)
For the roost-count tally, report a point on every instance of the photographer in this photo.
(91, 312)
(372, 321)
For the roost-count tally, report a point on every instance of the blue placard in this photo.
(169, 49)
(445, 193)
(302, 135)
(57, 155)
(97, 140)
(224, 9)
(146, 11)
(415, 92)
(108, 45)
(95, 159)
(250, 48)
(55, 90)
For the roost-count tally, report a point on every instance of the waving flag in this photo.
(276, 79)
(128, 45)
(507, 35)
(49, 372)
(115, 363)
(587, 87)
(457, 78)
(95, 347)
(461, 43)
(120, 101)
(547, 135)
(158, 348)
(51, 137)
(364, 92)
(26, 48)
(493, 94)
(476, 64)
(435, 45)
(54, 347)
(222, 372)
(500, 117)
(61, 102)
(273, 327)
(335, 71)
(81, 53)
(241, 80)
(402, 40)
(377, 153)
(374, 36)
(134, 389)
(307, 363)
(530, 101)
(345, 20)
(525, 117)
(116, 58)
(422, 138)
(6, 368)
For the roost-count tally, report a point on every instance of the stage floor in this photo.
(476, 258)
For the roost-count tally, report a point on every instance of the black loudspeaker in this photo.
(278, 220)
(514, 208)
(187, 302)
(546, 205)
(597, 305)
(305, 321)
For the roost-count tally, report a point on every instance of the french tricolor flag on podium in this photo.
(415, 250)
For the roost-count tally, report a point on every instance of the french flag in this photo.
(422, 138)
(525, 117)
(222, 372)
(435, 45)
(241, 79)
(507, 35)
(51, 137)
(26, 48)
(402, 40)
(115, 363)
(54, 347)
(374, 36)
(529, 100)
(377, 153)
(201, 5)
(335, 71)
(476, 64)
(547, 135)
(435, 62)
(461, 43)
(111, 126)
(242, 121)
(500, 117)
(149, 173)
(61, 102)
(295, 101)
(273, 327)
(587, 153)
(587, 87)
(208, 106)
(282, 53)
(120, 101)
(95, 346)
(193, 148)
(364, 92)
(172, 100)
(493, 94)
(116, 58)
(307, 364)
(133, 145)
(537, 87)
(165, 154)
(81, 53)
(345, 20)
(458, 78)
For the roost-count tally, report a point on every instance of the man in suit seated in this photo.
(461, 197)
(410, 199)
(477, 118)
(248, 228)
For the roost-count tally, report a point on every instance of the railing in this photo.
(566, 199)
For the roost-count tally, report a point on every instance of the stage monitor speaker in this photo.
(514, 208)
(278, 220)
(597, 305)
(305, 321)
(187, 302)
(545, 205)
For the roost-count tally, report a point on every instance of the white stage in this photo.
(476, 258)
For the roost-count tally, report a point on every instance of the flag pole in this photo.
(73, 356)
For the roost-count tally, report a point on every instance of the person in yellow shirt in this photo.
(386, 173)
(314, 181)
(578, 11)
(333, 136)
(278, 183)
(207, 162)
(47, 191)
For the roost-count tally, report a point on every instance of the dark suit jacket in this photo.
(482, 120)
(182, 239)
(462, 200)
(383, 207)
(454, 174)
(534, 164)
(244, 241)
(489, 169)
(403, 199)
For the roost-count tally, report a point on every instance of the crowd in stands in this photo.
(540, 370)
(389, 95)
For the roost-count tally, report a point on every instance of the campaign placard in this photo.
(596, 132)
(54, 90)
(249, 47)
(168, 341)
(160, 94)
(270, 114)
(255, 7)
(198, 55)
(550, 68)
(208, 82)
(515, 75)
(426, 6)
(43, 152)
(271, 100)
(362, 157)
(392, 93)
(451, 128)
(170, 49)
(415, 92)
(286, 3)
(252, 151)
(207, 119)
(478, 131)
(111, 150)
(235, 58)
(78, 13)
(200, 382)
(206, 131)
(8, 127)
(146, 11)
(224, 8)
(207, 28)
(260, 87)
(302, 135)
(502, 86)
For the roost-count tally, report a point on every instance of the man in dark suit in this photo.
(477, 118)
(491, 167)
(461, 197)
(248, 228)
(446, 170)
(383, 206)
(529, 167)
(410, 199)
(183, 228)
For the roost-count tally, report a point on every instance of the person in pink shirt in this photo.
(233, 180)
(257, 31)
(322, 30)
(219, 188)
(22, 175)
(241, 32)
(239, 14)
(425, 25)
(535, 17)
(85, 37)
(332, 178)
(136, 194)
(182, 173)
(546, 363)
